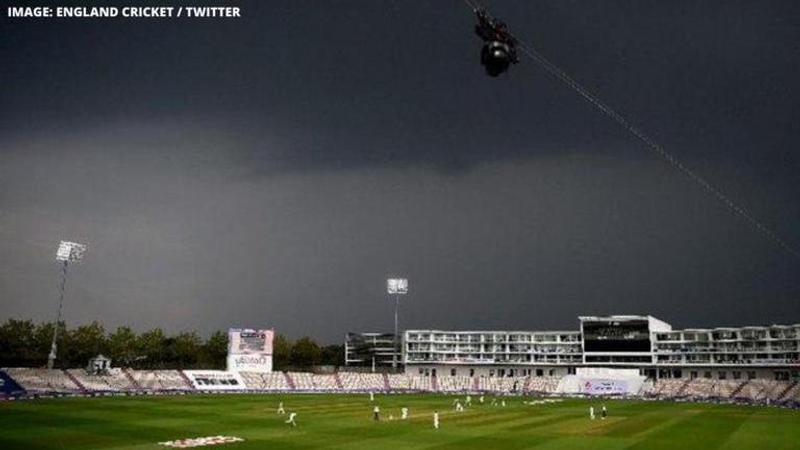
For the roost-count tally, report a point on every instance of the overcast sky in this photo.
(273, 170)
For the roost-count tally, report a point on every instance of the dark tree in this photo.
(305, 353)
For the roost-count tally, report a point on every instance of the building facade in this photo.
(371, 349)
(640, 342)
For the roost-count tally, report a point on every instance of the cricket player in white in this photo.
(404, 413)
(291, 419)
(280, 408)
(468, 401)
(591, 412)
(376, 413)
(436, 420)
(459, 408)
(603, 412)
(503, 403)
(371, 397)
(480, 399)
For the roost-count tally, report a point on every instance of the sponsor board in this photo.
(8, 386)
(215, 380)
(604, 387)
(250, 363)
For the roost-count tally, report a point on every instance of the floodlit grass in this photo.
(345, 422)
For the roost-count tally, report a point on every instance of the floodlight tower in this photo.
(396, 287)
(67, 252)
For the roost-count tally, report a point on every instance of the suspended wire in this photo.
(473, 5)
(651, 145)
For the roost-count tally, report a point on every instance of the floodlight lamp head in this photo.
(70, 251)
(397, 286)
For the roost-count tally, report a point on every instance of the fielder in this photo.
(280, 408)
(290, 420)
(436, 420)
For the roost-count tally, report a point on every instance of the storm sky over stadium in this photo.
(273, 170)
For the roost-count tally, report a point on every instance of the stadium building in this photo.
(642, 343)
(371, 349)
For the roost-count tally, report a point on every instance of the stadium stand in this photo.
(454, 384)
(542, 385)
(739, 388)
(386, 385)
(157, 380)
(253, 380)
(668, 387)
(43, 380)
(134, 384)
(355, 381)
(791, 392)
(399, 381)
(325, 383)
(753, 391)
(699, 388)
(724, 388)
(288, 379)
(422, 383)
(74, 381)
(338, 380)
(272, 381)
(275, 381)
(115, 380)
(302, 381)
(500, 384)
(762, 390)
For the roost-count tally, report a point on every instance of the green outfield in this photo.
(345, 422)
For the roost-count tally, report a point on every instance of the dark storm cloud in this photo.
(273, 170)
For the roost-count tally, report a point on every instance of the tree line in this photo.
(24, 343)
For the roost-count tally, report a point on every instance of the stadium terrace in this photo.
(625, 356)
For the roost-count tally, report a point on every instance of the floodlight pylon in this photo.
(67, 252)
